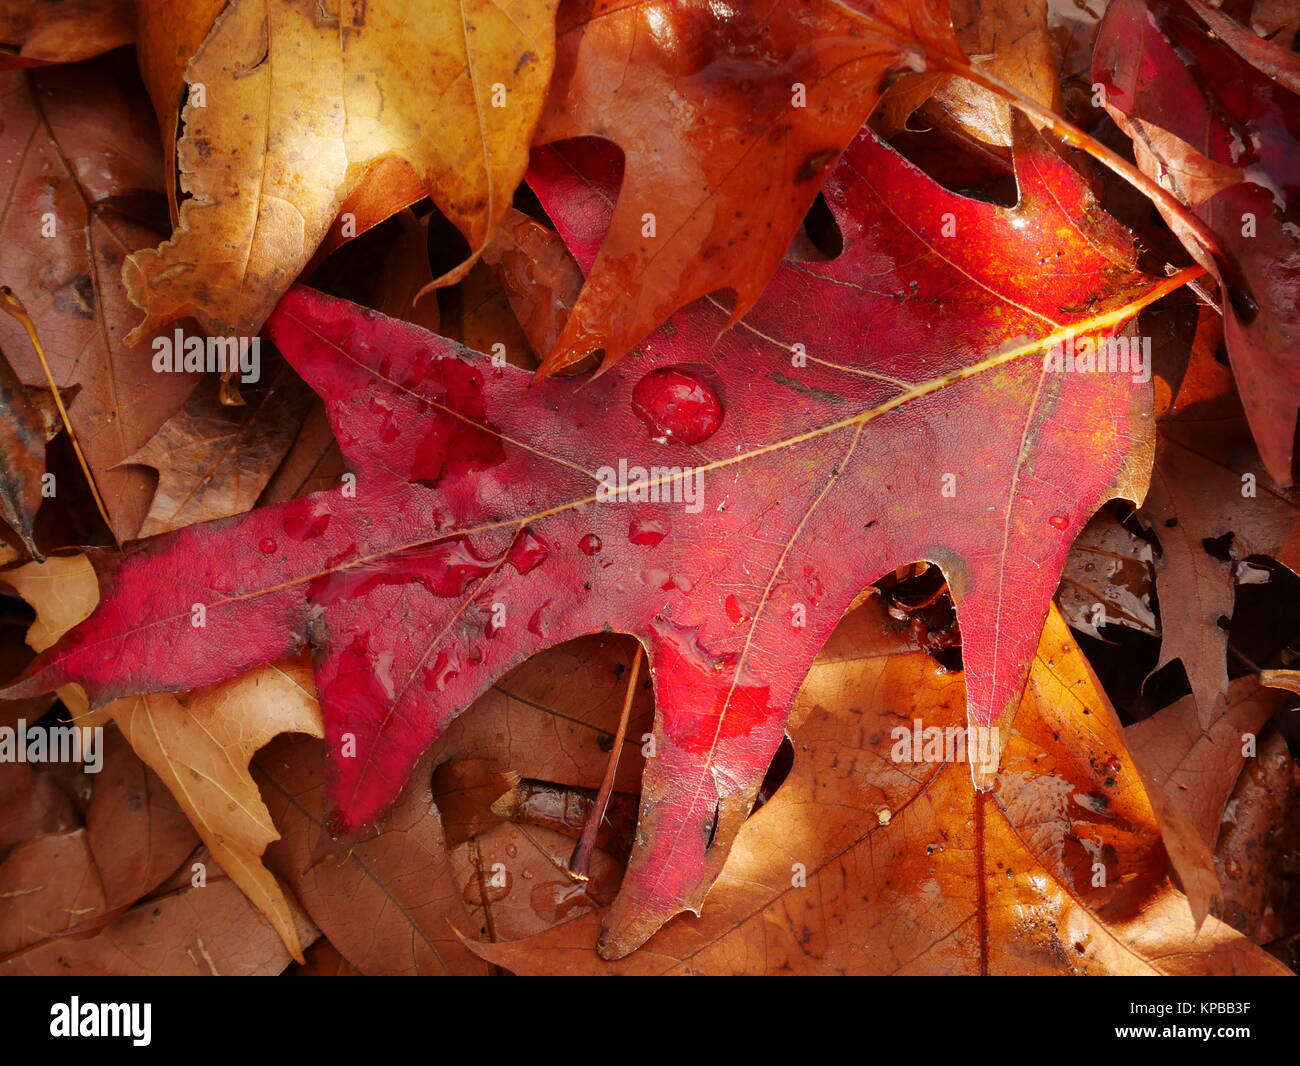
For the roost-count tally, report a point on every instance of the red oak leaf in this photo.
(1153, 57)
(889, 406)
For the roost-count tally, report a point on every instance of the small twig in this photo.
(580, 860)
(10, 303)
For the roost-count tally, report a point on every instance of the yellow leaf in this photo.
(200, 744)
(298, 103)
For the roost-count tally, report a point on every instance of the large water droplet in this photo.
(677, 405)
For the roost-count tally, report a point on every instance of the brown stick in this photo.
(580, 860)
(10, 303)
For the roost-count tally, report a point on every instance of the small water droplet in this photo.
(306, 519)
(512, 850)
(495, 885)
(677, 405)
(535, 626)
(267, 545)
(647, 531)
(1059, 521)
(528, 552)
(590, 544)
(555, 900)
(735, 611)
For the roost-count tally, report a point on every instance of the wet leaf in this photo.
(472, 489)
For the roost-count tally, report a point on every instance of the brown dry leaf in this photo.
(392, 903)
(1073, 28)
(138, 834)
(31, 804)
(1258, 834)
(299, 103)
(25, 427)
(313, 463)
(1210, 492)
(465, 791)
(214, 459)
(62, 590)
(386, 903)
(168, 33)
(200, 744)
(15, 657)
(909, 870)
(1009, 40)
(1179, 167)
(62, 244)
(48, 886)
(1108, 579)
(34, 32)
(406, 274)
(478, 315)
(323, 960)
(1197, 766)
(553, 717)
(192, 932)
(1278, 20)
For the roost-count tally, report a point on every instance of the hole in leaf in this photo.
(819, 239)
(964, 166)
(777, 772)
(1219, 547)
